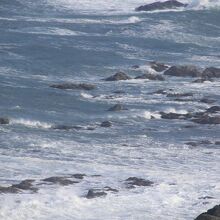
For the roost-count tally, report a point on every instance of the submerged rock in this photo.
(106, 124)
(170, 4)
(94, 193)
(211, 214)
(80, 86)
(151, 77)
(64, 181)
(211, 72)
(134, 181)
(159, 67)
(213, 109)
(179, 95)
(4, 121)
(183, 71)
(118, 76)
(117, 107)
(206, 119)
(66, 127)
(25, 185)
(10, 189)
(78, 176)
(172, 115)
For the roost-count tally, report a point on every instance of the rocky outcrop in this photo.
(74, 86)
(131, 182)
(64, 181)
(4, 121)
(211, 72)
(117, 107)
(170, 4)
(118, 76)
(183, 71)
(151, 77)
(211, 214)
(106, 124)
(158, 67)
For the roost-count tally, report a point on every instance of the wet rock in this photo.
(119, 92)
(10, 189)
(110, 189)
(151, 77)
(134, 181)
(117, 107)
(211, 72)
(158, 67)
(179, 95)
(78, 176)
(135, 67)
(211, 214)
(106, 124)
(64, 181)
(4, 121)
(192, 144)
(207, 100)
(217, 143)
(206, 197)
(170, 4)
(183, 71)
(74, 86)
(94, 193)
(173, 115)
(118, 76)
(66, 127)
(25, 185)
(206, 119)
(213, 109)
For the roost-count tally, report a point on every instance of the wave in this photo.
(30, 123)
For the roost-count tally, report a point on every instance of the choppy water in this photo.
(53, 41)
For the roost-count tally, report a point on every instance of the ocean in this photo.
(55, 132)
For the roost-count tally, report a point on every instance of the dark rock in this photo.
(207, 100)
(151, 77)
(173, 115)
(117, 107)
(59, 180)
(217, 143)
(78, 176)
(211, 214)
(134, 181)
(66, 127)
(170, 4)
(109, 189)
(25, 185)
(178, 95)
(191, 143)
(206, 119)
(183, 71)
(135, 67)
(119, 92)
(213, 109)
(206, 197)
(159, 67)
(10, 189)
(94, 193)
(80, 86)
(106, 124)
(211, 72)
(118, 76)
(4, 121)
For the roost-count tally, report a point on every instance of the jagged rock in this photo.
(106, 124)
(94, 193)
(151, 77)
(206, 119)
(211, 72)
(178, 95)
(211, 214)
(117, 107)
(170, 4)
(213, 109)
(64, 181)
(4, 121)
(134, 181)
(183, 71)
(159, 67)
(118, 76)
(80, 86)
(25, 185)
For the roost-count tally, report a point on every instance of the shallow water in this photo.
(45, 42)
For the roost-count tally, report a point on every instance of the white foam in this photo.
(30, 123)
